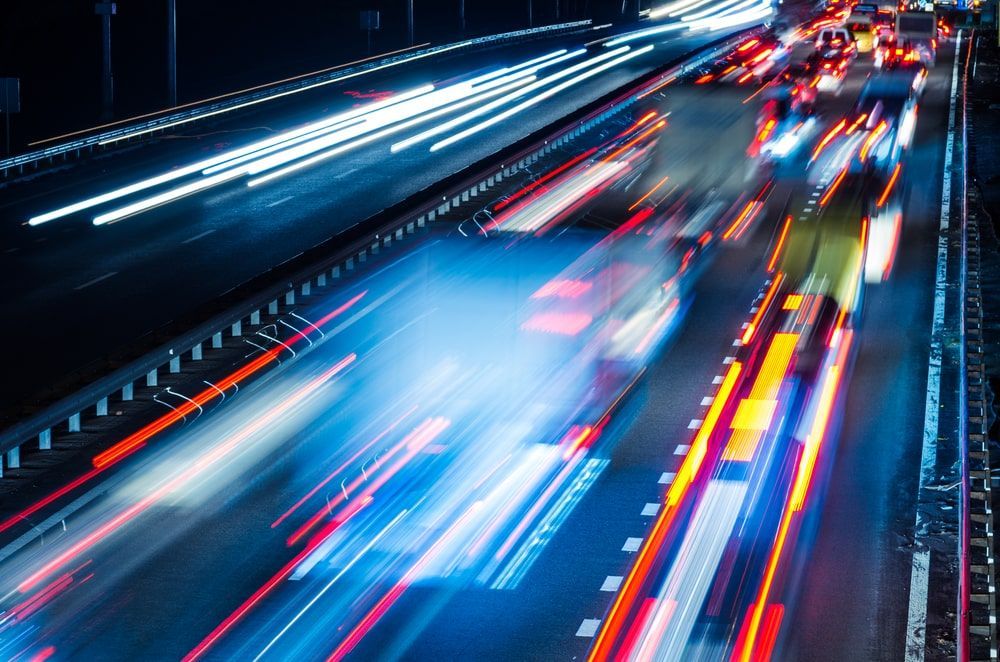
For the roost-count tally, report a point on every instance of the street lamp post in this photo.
(172, 53)
(106, 10)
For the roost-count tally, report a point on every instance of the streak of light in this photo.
(888, 187)
(830, 135)
(832, 188)
(132, 443)
(184, 171)
(235, 617)
(351, 460)
(194, 470)
(384, 603)
(504, 100)
(872, 139)
(614, 623)
(777, 247)
(542, 96)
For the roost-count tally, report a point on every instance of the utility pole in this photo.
(409, 23)
(172, 53)
(106, 10)
(461, 17)
(531, 13)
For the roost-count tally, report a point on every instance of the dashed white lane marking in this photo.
(278, 202)
(695, 424)
(754, 310)
(632, 544)
(650, 510)
(611, 583)
(682, 449)
(667, 477)
(589, 627)
(728, 360)
(707, 401)
(737, 343)
(198, 236)
(345, 173)
(745, 325)
(718, 379)
(916, 618)
(96, 280)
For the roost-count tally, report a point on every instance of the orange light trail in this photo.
(871, 140)
(137, 440)
(777, 247)
(830, 135)
(651, 191)
(832, 188)
(204, 462)
(888, 187)
(613, 624)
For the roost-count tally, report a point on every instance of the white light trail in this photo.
(462, 119)
(461, 135)
(193, 168)
(316, 158)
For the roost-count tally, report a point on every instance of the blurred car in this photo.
(884, 22)
(829, 69)
(839, 39)
(863, 31)
(887, 109)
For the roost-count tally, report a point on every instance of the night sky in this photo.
(54, 47)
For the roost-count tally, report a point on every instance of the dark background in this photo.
(54, 47)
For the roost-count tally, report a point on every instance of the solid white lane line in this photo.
(916, 621)
(198, 236)
(96, 280)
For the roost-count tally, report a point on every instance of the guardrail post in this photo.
(14, 458)
(255, 318)
(102, 406)
(217, 340)
(362, 256)
(196, 352)
(335, 272)
(175, 365)
(127, 392)
(289, 298)
(399, 234)
(349, 263)
(306, 288)
(321, 280)
(151, 377)
(45, 440)
(237, 328)
(74, 422)
(272, 308)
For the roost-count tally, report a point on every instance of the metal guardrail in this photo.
(329, 260)
(977, 602)
(200, 110)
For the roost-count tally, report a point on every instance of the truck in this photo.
(919, 28)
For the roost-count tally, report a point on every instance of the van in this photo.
(863, 31)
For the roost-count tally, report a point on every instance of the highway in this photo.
(68, 272)
(641, 411)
